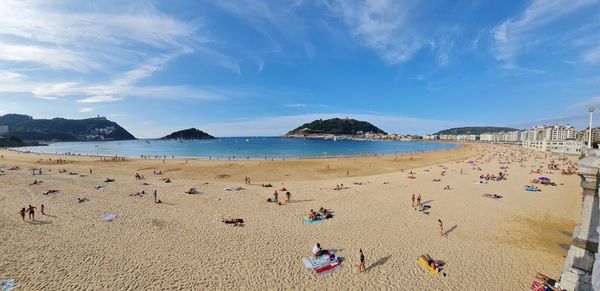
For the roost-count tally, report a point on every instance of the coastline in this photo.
(242, 157)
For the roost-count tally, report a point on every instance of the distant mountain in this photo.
(26, 128)
(475, 130)
(335, 126)
(188, 134)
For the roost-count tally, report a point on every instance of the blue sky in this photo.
(261, 68)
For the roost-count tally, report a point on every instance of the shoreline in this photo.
(457, 145)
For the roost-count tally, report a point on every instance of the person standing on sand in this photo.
(413, 200)
(90, 171)
(31, 211)
(288, 196)
(155, 194)
(361, 264)
(441, 227)
(22, 212)
(42, 209)
(419, 200)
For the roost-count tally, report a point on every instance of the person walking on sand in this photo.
(419, 200)
(155, 194)
(22, 212)
(288, 196)
(42, 209)
(441, 227)
(31, 211)
(361, 264)
(413, 200)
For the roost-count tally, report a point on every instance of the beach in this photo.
(182, 243)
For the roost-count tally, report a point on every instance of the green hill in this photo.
(27, 128)
(188, 134)
(475, 130)
(335, 126)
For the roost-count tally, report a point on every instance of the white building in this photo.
(3, 129)
(569, 147)
(486, 137)
(469, 137)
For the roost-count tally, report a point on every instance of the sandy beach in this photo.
(496, 244)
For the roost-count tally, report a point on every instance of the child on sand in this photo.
(361, 264)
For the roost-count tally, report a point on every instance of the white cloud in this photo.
(99, 99)
(383, 25)
(516, 35)
(66, 35)
(86, 109)
(9, 77)
(592, 56)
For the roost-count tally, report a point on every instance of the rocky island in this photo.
(188, 134)
(336, 128)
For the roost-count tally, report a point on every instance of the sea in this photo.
(239, 148)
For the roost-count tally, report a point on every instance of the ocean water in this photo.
(241, 148)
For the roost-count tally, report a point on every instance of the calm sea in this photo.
(241, 148)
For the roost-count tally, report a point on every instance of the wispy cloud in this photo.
(517, 35)
(86, 109)
(99, 99)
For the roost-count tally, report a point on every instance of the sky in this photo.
(260, 68)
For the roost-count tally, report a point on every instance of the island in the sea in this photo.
(336, 127)
(188, 134)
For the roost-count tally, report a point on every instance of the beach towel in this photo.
(319, 262)
(109, 217)
(8, 285)
(536, 286)
(530, 189)
(311, 221)
(329, 269)
(427, 267)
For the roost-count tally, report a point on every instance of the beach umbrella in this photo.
(543, 179)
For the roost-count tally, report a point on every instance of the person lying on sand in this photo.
(283, 189)
(312, 215)
(267, 185)
(447, 188)
(495, 196)
(108, 180)
(36, 182)
(81, 200)
(551, 283)
(435, 264)
(234, 221)
(51, 191)
(192, 191)
(168, 180)
(325, 213)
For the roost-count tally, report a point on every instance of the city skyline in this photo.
(263, 68)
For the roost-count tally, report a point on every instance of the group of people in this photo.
(275, 198)
(31, 211)
(323, 213)
(340, 187)
(501, 176)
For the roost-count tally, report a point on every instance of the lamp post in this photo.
(591, 111)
